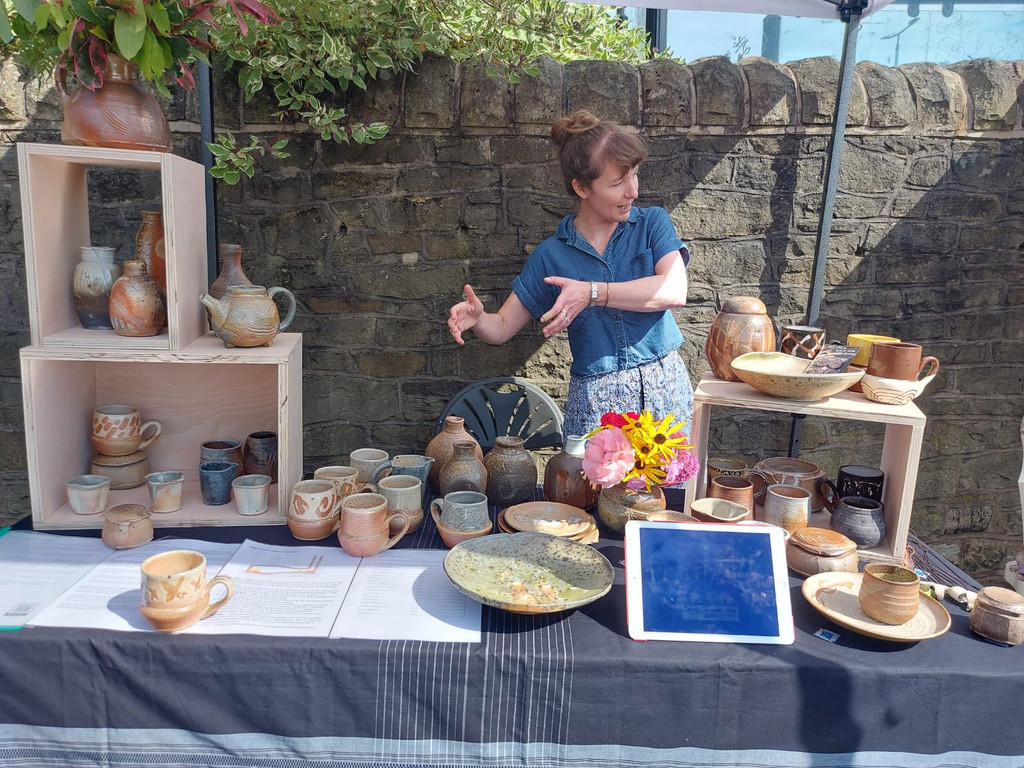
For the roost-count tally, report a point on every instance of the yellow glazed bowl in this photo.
(781, 375)
(864, 341)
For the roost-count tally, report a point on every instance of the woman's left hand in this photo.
(573, 299)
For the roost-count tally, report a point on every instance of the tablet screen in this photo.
(711, 583)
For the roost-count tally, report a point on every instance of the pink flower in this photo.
(682, 468)
(608, 457)
(637, 484)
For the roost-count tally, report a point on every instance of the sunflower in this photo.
(653, 440)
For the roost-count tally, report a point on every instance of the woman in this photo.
(609, 276)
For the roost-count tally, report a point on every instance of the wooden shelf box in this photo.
(202, 392)
(901, 449)
(55, 218)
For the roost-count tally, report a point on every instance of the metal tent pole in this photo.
(206, 157)
(849, 11)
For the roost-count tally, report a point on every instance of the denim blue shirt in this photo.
(603, 339)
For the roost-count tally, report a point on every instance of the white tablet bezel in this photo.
(634, 585)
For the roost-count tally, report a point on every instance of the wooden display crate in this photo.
(901, 449)
(55, 218)
(202, 392)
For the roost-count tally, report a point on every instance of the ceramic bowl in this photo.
(529, 572)
(781, 375)
(892, 391)
(709, 510)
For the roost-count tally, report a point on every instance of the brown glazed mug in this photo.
(890, 594)
(855, 480)
(735, 489)
(900, 360)
(804, 341)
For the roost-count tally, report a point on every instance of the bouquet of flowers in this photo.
(634, 449)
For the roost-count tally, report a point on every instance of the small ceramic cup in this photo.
(345, 479)
(222, 449)
(176, 592)
(889, 593)
(215, 481)
(739, 490)
(900, 360)
(462, 510)
(403, 493)
(251, 494)
(717, 467)
(366, 461)
(165, 490)
(787, 506)
(365, 525)
(855, 480)
(117, 430)
(261, 455)
(313, 511)
(88, 494)
(863, 342)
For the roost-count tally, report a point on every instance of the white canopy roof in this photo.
(820, 9)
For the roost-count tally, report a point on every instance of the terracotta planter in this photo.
(618, 504)
(121, 113)
(742, 326)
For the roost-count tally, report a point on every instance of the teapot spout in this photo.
(217, 309)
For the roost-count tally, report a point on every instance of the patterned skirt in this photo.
(661, 386)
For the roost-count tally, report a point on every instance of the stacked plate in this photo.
(549, 517)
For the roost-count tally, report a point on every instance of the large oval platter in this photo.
(529, 572)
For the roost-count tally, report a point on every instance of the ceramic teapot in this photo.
(247, 315)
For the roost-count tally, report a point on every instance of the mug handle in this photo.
(376, 473)
(759, 493)
(405, 529)
(434, 506)
(156, 434)
(828, 492)
(228, 582)
(366, 488)
(925, 361)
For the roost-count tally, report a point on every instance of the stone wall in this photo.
(376, 242)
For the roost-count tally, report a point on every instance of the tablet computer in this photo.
(707, 582)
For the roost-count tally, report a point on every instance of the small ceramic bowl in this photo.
(453, 536)
(892, 391)
(710, 510)
(782, 375)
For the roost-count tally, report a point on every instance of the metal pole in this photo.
(851, 16)
(206, 157)
(657, 28)
(771, 33)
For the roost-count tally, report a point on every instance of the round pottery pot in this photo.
(816, 550)
(860, 519)
(787, 471)
(124, 471)
(742, 326)
(998, 615)
(564, 479)
(619, 503)
(511, 472)
(441, 447)
(126, 526)
(452, 536)
(464, 471)
(890, 594)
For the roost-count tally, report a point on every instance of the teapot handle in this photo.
(291, 306)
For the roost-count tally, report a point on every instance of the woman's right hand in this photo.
(464, 315)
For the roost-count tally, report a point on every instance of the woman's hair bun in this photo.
(579, 121)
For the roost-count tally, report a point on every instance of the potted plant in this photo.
(107, 45)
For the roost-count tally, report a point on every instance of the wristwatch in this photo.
(593, 293)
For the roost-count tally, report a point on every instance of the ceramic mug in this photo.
(367, 460)
(165, 489)
(900, 360)
(365, 525)
(313, 511)
(717, 466)
(863, 342)
(251, 494)
(117, 430)
(176, 592)
(803, 341)
(735, 489)
(855, 480)
(345, 479)
(88, 494)
(860, 519)
(787, 506)
(260, 456)
(222, 449)
(215, 481)
(462, 510)
(403, 493)
(890, 594)
(407, 464)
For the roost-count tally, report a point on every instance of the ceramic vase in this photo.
(511, 472)
(149, 247)
(230, 271)
(440, 448)
(136, 304)
(619, 503)
(742, 326)
(564, 479)
(92, 283)
(464, 471)
(859, 519)
(260, 457)
(121, 113)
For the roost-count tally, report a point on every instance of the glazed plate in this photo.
(548, 517)
(834, 594)
(781, 375)
(529, 572)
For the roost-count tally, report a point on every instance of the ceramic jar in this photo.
(511, 472)
(247, 316)
(998, 615)
(230, 272)
(124, 471)
(121, 113)
(564, 479)
(464, 471)
(91, 285)
(817, 550)
(136, 304)
(440, 448)
(742, 326)
(149, 247)
(126, 526)
(859, 518)
(619, 503)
